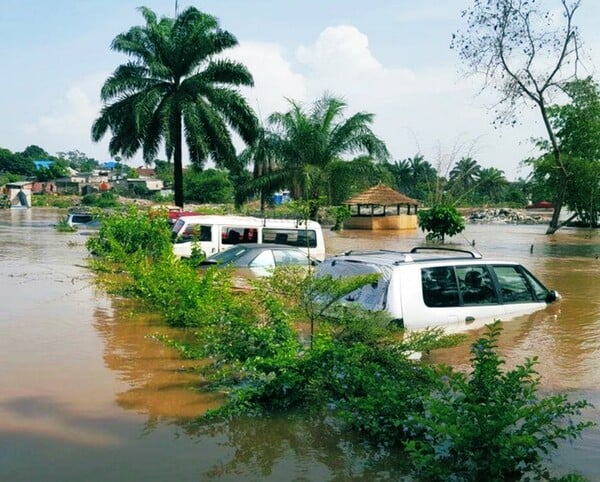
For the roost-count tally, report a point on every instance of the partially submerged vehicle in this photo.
(440, 287)
(213, 234)
(254, 261)
(81, 217)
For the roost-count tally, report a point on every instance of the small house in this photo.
(19, 194)
(381, 207)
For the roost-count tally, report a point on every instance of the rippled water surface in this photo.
(87, 394)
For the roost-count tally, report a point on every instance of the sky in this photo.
(391, 58)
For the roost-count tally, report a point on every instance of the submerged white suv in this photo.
(440, 287)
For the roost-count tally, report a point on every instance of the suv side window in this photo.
(513, 285)
(440, 288)
(476, 286)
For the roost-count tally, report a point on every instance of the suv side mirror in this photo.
(552, 296)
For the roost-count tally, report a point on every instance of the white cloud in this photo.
(68, 125)
(339, 50)
(274, 78)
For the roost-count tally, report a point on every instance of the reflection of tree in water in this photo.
(299, 447)
(157, 381)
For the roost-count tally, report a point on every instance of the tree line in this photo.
(178, 88)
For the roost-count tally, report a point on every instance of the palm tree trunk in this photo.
(178, 164)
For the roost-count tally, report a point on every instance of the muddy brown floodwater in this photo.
(86, 393)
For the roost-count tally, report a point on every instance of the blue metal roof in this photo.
(43, 163)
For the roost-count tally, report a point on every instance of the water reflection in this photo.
(294, 448)
(160, 384)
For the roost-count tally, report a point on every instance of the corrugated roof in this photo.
(381, 195)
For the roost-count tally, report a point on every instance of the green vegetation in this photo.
(490, 425)
(302, 146)
(355, 365)
(441, 221)
(177, 87)
(51, 200)
(105, 199)
(63, 226)
(208, 186)
(577, 127)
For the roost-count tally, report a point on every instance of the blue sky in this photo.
(391, 58)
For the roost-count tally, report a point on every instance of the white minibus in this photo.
(213, 234)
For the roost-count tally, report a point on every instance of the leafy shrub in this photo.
(104, 199)
(54, 200)
(339, 214)
(489, 425)
(63, 226)
(441, 221)
(123, 233)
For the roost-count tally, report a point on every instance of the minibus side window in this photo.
(195, 232)
(237, 235)
(301, 238)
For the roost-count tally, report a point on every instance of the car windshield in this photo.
(228, 256)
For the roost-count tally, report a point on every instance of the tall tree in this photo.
(577, 126)
(308, 141)
(261, 156)
(491, 184)
(465, 174)
(423, 179)
(347, 178)
(176, 86)
(527, 54)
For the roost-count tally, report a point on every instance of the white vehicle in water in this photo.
(213, 234)
(440, 287)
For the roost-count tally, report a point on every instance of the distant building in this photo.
(18, 194)
(146, 172)
(43, 163)
(150, 184)
(109, 165)
(281, 197)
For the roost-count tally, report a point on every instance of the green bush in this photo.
(441, 221)
(490, 425)
(104, 199)
(124, 233)
(63, 226)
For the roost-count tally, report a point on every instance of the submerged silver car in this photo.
(440, 287)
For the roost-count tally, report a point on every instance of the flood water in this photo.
(86, 393)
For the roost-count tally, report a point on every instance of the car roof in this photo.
(420, 254)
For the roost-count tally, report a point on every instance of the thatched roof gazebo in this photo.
(370, 209)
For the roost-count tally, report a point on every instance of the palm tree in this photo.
(261, 156)
(465, 173)
(175, 87)
(307, 142)
(402, 174)
(491, 184)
